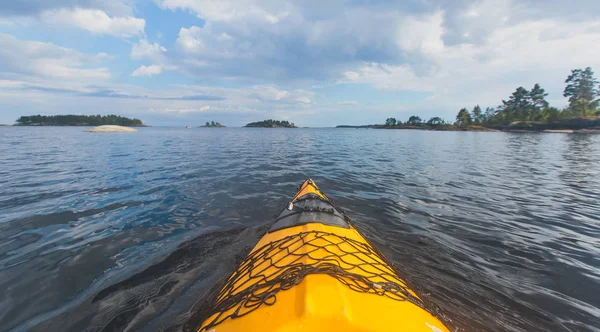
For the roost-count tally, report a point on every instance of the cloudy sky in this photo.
(316, 63)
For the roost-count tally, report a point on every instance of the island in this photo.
(78, 120)
(271, 124)
(212, 124)
(524, 111)
(356, 127)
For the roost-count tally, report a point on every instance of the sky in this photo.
(314, 63)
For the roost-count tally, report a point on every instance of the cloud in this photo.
(95, 21)
(200, 97)
(19, 57)
(189, 40)
(224, 36)
(181, 110)
(274, 95)
(153, 52)
(302, 41)
(281, 43)
(310, 42)
(143, 50)
(422, 34)
(147, 71)
(266, 96)
(102, 91)
(539, 51)
(35, 7)
(239, 105)
(448, 53)
(303, 100)
(229, 11)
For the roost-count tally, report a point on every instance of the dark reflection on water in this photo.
(129, 231)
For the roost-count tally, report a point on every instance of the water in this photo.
(500, 231)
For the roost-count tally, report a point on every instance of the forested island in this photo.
(212, 124)
(525, 110)
(356, 127)
(77, 120)
(271, 124)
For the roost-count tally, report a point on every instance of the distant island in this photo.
(525, 110)
(357, 127)
(77, 120)
(212, 124)
(271, 124)
(415, 122)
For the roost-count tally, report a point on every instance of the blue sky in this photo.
(315, 63)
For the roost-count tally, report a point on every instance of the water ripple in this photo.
(498, 231)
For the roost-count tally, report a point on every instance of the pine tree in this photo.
(537, 96)
(463, 118)
(582, 91)
(477, 114)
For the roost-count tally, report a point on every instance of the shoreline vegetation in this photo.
(78, 120)
(212, 124)
(271, 124)
(524, 111)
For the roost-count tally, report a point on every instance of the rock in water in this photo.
(111, 129)
(563, 131)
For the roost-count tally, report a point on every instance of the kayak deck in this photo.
(313, 271)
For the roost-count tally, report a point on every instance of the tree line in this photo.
(415, 121)
(271, 124)
(213, 124)
(77, 120)
(582, 89)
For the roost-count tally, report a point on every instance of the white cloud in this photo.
(229, 11)
(19, 57)
(453, 53)
(245, 104)
(268, 93)
(278, 43)
(530, 52)
(181, 110)
(155, 53)
(387, 77)
(352, 75)
(95, 21)
(225, 36)
(189, 39)
(147, 71)
(422, 34)
(273, 94)
(472, 13)
(347, 103)
(282, 41)
(143, 50)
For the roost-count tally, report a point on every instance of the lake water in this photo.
(499, 231)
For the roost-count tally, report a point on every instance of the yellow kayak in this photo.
(313, 271)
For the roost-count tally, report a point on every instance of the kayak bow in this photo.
(314, 271)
